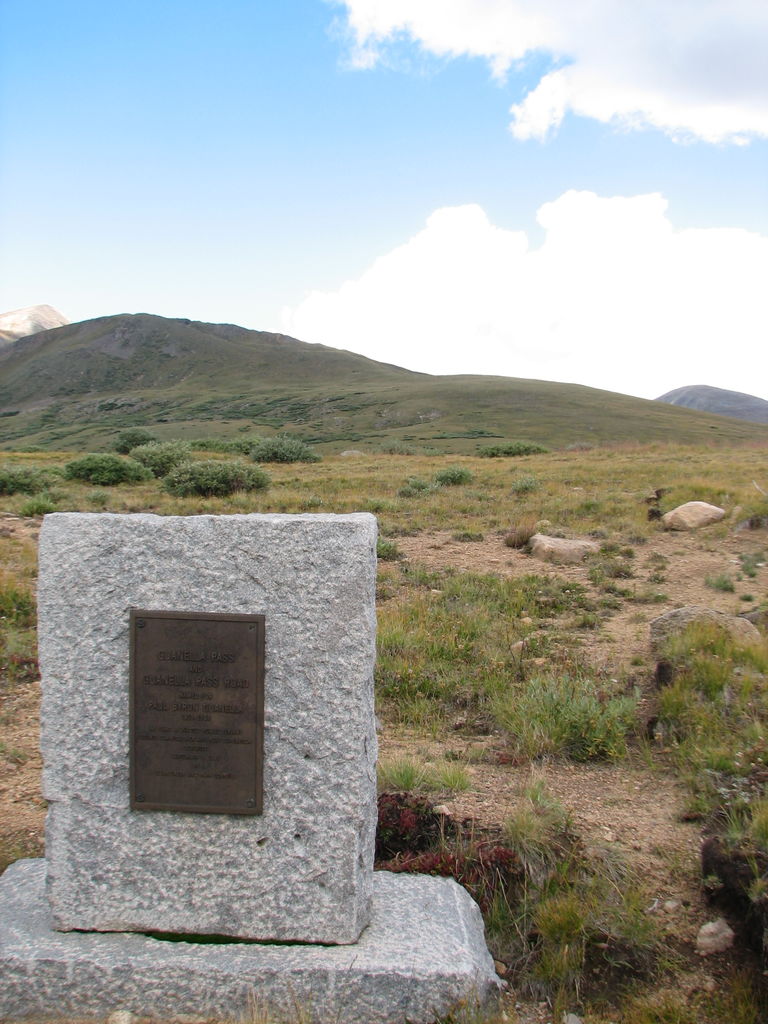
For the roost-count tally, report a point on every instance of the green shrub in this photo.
(106, 470)
(524, 485)
(132, 438)
(282, 448)
(214, 479)
(511, 448)
(40, 505)
(160, 457)
(721, 582)
(21, 480)
(452, 476)
(387, 550)
(413, 487)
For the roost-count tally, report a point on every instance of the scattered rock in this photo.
(675, 621)
(350, 451)
(692, 515)
(121, 1017)
(758, 617)
(561, 551)
(571, 1018)
(714, 937)
(670, 906)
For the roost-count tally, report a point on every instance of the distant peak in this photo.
(19, 323)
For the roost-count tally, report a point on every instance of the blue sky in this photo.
(491, 186)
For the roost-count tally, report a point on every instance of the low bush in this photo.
(214, 479)
(160, 457)
(510, 448)
(387, 550)
(282, 448)
(106, 470)
(524, 485)
(40, 505)
(453, 476)
(21, 480)
(413, 487)
(132, 438)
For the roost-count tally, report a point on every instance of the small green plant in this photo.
(413, 487)
(282, 448)
(524, 485)
(401, 774)
(387, 550)
(722, 582)
(758, 827)
(554, 714)
(450, 777)
(468, 536)
(453, 476)
(97, 498)
(750, 563)
(510, 448)
(132, 438)
(38, 506)
(13, 754)
(214, 479)
(535, 828)
(106, 470)
(160, 457)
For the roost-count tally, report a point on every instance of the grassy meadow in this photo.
(505, 662)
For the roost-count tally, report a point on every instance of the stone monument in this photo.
(208, 739)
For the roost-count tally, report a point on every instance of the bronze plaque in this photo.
(197, 712)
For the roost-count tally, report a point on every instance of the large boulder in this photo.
(692, 515)
(560, 550)
(678, 619)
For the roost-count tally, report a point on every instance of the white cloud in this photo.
(614, 298)
(691, 68)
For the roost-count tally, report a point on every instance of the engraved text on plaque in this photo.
(197, 712)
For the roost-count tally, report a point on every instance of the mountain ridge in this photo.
(720, 401)
(76, 385)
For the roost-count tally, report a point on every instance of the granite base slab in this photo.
(423, 954)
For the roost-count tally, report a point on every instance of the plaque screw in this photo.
(250, 803)
(141, 623)
(140, 798)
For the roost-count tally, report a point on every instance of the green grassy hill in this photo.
(75, 386)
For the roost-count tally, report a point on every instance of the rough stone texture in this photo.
(423, 953)
(675, 621)
(714, 937)
(561, 551)
(302, 870)
(692, 515)
(758, 617)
